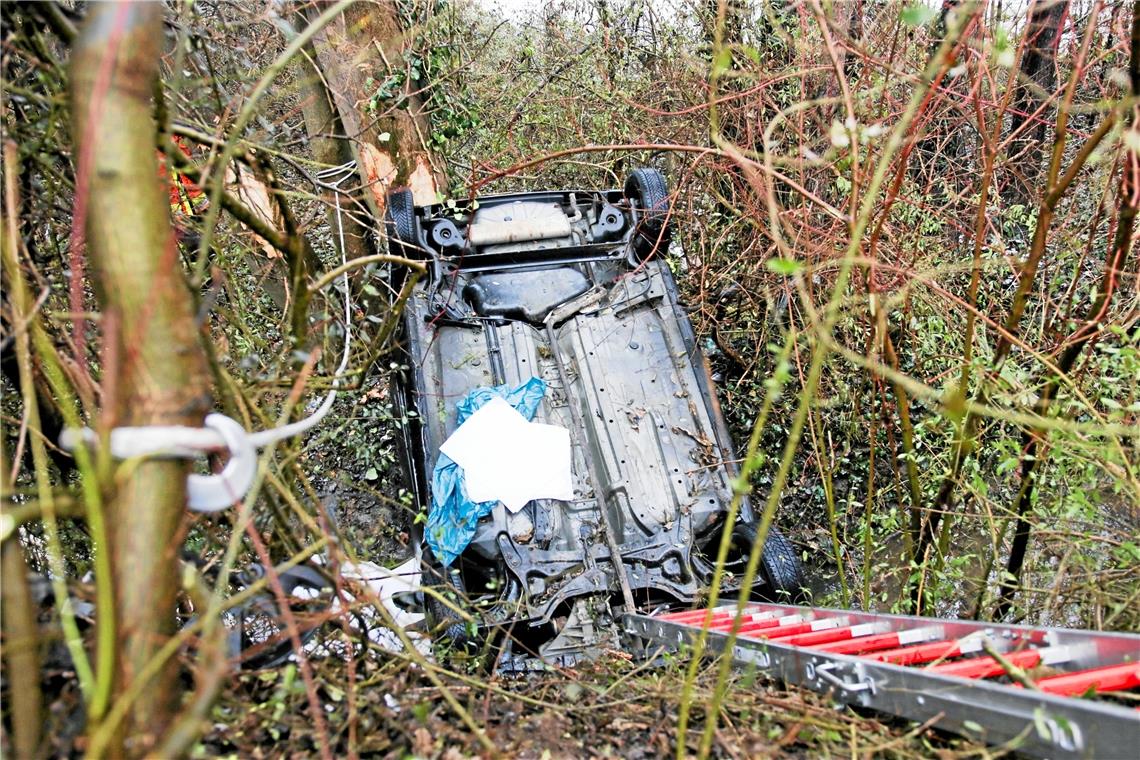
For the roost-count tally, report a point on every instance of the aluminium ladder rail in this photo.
(928, 668)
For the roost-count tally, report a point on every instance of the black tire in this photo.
(443, 621)
(257, 632)
(400, 222)
(780, 567)
(472, 647)
(648, 190)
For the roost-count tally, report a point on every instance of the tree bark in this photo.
(365, 42)
(156, 372)
(1037, 81)
(323, 126)
(21, 649)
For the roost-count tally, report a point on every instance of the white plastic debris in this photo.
(385, 584)
(507, 458)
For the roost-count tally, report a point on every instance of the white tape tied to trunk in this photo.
(212, 493)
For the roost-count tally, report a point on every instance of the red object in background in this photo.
(185, 196)
(1105, 679)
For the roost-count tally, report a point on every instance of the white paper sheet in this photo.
(506, 458)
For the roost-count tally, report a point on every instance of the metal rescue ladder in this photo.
(953, 672)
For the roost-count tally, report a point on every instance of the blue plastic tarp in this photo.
(453, 516)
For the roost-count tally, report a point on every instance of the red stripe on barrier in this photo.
(698, 616)
(760, 625)
(935, 650)
(864, 644)
(822, 637)
(778, 632)
(755, 625)
(987, 667)
(1106, 679)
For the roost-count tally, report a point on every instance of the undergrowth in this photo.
(906, 355)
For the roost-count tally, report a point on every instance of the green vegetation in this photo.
(923, 312)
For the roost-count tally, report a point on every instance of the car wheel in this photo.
(257, 633)
(444, 622)
(400, 222)
(648, 190)
(780, 567)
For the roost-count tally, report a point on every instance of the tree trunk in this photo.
(21, 648)
(323, 126)
(155, 370)
(388, 138)
(1034, 442)
(1037, 81)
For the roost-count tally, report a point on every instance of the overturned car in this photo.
(568, 287)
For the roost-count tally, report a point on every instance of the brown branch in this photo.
(1011, 670)
(1057, 185)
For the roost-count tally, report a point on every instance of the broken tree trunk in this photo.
(154, 371)
(323, 127)
(361, 55)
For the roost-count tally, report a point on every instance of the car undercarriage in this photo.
(572, 287)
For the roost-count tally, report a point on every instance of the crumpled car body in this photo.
(573, 287)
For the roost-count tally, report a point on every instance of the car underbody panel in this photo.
(563, 296)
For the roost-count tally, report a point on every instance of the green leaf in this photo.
(1005, 54)
(783, 266)
(917, 14)
(371, 474)
(723, 60)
